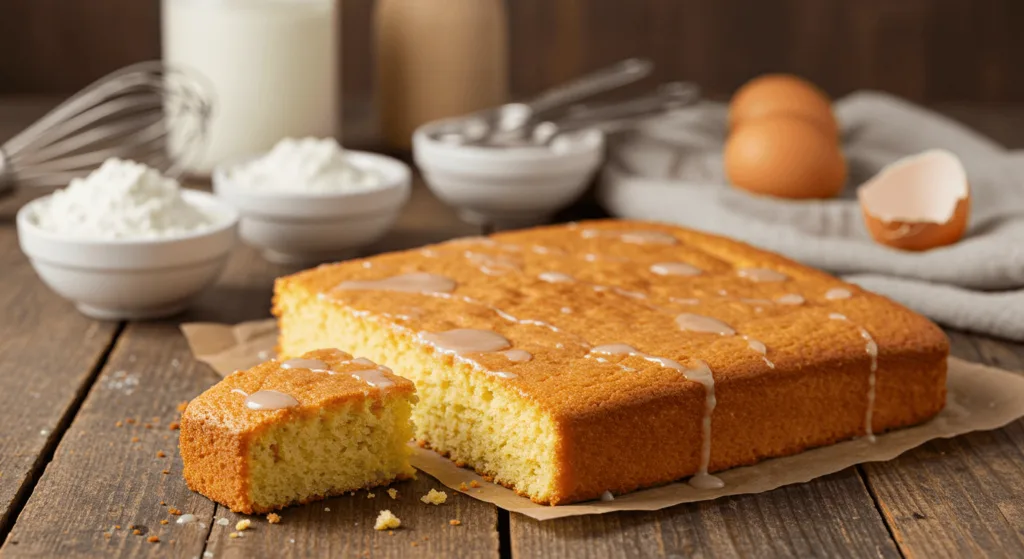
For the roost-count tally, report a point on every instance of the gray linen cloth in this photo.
(671, 170)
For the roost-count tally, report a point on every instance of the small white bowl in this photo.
(312, 227)
(507, 187)
(131, 279)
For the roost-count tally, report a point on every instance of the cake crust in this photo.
(804, 359)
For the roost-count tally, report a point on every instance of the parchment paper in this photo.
(980, 398)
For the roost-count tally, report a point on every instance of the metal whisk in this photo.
(147, 112)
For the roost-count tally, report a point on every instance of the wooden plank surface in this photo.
(961, 497)
(49, 358)
(48, 352)
(829, 517)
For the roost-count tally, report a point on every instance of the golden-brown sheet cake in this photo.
(568, 361)
(299, 430)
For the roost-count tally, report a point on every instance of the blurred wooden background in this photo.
(926, 50)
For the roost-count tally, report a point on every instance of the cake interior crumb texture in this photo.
(572, 360)
(342, 434)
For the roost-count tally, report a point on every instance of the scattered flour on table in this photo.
(123, 381)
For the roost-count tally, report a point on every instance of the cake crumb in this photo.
(130, 420)
(435, 497)
(421, 443)
(148, 426)
(474, 484)
(119, 424)
(393, 493)
(107, 535)
(234, 535)
(161, 454)
(387, 521)
(223, 522)
(463, 487)
(135, 439)
(327, 509)
(274, 518)
(136, 532)
(117, 526)
(370, 495)
(489, 479)
(163, 503)
(174, 511)
(152, 539)
(460, 464)
(164, 522)
(243, 524)
(455, 522)
(182, 406)
(414, 544)
(165, 472)
(174, 426)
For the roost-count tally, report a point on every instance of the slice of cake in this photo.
(294, 431)
(573, 360)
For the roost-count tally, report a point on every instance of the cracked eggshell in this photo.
(917, 203)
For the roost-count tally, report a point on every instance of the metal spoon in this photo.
(510, 119)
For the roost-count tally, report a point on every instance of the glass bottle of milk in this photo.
(272, 64)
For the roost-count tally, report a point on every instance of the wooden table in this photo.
(85, 445)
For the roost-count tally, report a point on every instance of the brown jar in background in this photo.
(437, 59)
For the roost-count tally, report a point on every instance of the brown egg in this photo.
(918, 203)
(782, 95)
(786, 158)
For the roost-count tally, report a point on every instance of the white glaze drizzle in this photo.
(698, 323)
(790, 299)
(637, 237)
(416, 282)
(702, 374)
(461, 341)
(268, 400)
(838, 293)
(555, 277)
(871, 348)
(492, 265)
(373, 375)
(675, 269)
(625, 349)
(760, 275)
(314, 365)
(759, 347)
(517, 355)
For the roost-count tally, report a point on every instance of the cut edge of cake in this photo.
(336, 440)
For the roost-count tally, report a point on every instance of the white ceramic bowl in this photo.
(128, 279)
(307, 228)
(507, 187)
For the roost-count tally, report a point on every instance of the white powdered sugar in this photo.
(307, 165)
(121, 200)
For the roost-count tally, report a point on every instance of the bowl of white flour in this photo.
(308, 201)
(126, 242)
